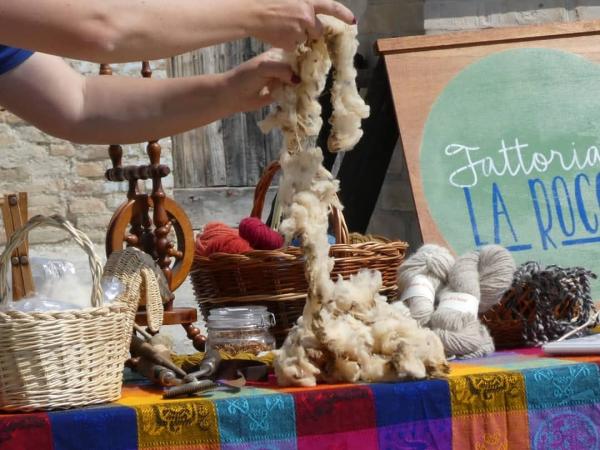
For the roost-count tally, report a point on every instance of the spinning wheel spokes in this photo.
(180, 252)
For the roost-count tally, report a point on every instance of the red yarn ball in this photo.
(217, 237)
(227, 244)
(259, 235)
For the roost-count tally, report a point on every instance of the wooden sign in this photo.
(501, 133)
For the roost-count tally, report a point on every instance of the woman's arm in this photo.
(49, 94)
(119, 31)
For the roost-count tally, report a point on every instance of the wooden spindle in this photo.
(146, 69)
(105, 69)
(116, 155)
(162, 225)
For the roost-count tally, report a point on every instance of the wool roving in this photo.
(419, 278)
(456, 318)
(348, 107)
(347, 332)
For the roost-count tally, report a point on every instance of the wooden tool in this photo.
(139, 348)
(14, 215)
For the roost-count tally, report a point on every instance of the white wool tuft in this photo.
(347, 332)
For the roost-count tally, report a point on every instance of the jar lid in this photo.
(240, 317)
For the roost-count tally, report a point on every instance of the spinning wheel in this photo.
(153, 223)
(182, 251)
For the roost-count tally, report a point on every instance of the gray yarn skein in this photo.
(496, 271)
(488, 271)
(433, 262)
(462, 335)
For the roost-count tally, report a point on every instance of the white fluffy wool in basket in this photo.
(348, 332)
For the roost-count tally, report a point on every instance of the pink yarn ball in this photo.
(259, 235)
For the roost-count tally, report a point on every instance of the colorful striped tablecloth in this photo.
(510, 400)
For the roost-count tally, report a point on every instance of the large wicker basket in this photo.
(56, 360)
(276, 278)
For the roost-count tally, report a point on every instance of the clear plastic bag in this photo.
(111, 288)
(45, 270)
(38, 303)
(60, 288)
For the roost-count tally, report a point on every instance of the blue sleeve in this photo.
(11, 57)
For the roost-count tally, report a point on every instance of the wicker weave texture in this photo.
(141, 280)
(276, 279)
(56, 360)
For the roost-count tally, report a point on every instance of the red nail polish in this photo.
(354, 21)
(296, 79)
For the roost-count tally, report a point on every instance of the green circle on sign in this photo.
(510, 155)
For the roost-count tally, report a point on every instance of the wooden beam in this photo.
(14, 215)
(25, 264)
(489, 36)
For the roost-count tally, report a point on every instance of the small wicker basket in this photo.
(276, 279)
(65, 359)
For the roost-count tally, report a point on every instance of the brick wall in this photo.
(65, 178)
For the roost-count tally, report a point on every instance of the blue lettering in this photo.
(469, 201)
(499, 208)
(544, 229)
(598, 189)
(581, 206)
(556, 182)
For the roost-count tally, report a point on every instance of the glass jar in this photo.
(240, 330)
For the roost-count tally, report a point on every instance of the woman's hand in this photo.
(249, 86)
(287, 23)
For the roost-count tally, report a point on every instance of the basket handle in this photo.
(340, 229)
(55, 221)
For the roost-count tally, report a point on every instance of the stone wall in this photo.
(65, 178)
(395, 214)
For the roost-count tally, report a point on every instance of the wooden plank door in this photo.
(216, 167)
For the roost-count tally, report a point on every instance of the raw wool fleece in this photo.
(348, 332)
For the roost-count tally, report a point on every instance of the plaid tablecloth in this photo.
(511, 400)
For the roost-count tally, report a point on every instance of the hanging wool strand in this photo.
(347, 332)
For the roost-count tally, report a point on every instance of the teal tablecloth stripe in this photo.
(564, 385)
(266, 419)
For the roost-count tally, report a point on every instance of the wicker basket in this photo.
(276, 278)
(56, 360)
(562, 293)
